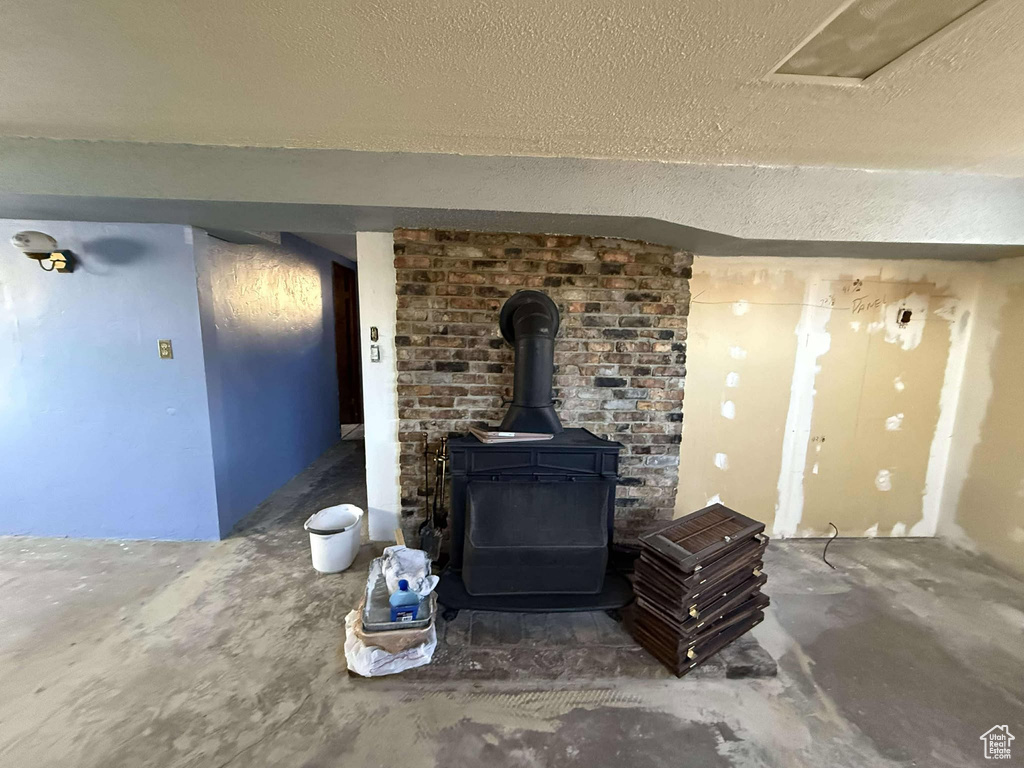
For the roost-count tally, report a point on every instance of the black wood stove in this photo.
(532, 522)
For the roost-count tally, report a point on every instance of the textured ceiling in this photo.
(671, 80)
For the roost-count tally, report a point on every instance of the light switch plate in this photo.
(166, 350)
(374, 353)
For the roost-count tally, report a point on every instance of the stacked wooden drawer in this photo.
(698, 586)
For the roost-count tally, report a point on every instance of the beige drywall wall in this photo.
(986, 478)
(808, 402)
(736, 360)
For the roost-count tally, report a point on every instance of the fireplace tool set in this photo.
(435, 519)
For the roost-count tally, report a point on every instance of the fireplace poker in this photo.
(441, 465)
(435, 517)
(429, 539)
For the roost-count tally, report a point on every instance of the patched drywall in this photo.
(735, 355)
(824, 391)
(986, 485)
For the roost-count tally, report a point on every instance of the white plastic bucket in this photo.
(334, 535)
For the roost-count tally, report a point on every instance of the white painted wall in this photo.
(378, 305)
(851, 212)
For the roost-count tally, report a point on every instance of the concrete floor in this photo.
(228, 654)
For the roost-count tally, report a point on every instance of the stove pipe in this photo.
(529, 321)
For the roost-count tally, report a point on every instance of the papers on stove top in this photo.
(496, 437)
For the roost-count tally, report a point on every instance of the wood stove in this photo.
(532, 523)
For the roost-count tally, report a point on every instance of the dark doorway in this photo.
(346, 342)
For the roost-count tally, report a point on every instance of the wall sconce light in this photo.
(43, 248)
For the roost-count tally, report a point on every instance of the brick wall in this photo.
(620, 353)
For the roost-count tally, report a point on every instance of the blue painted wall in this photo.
(99, 437)
(268, 334)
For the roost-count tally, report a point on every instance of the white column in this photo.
(377, 307)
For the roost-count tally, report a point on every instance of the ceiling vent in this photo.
(863, 36)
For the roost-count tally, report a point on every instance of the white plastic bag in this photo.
(413, 565)
(370, 661)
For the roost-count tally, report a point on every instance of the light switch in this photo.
(166, 350)
(375, 353)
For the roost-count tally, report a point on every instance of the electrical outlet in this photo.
(166, 350)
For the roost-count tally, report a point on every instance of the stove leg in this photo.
(449, 614)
